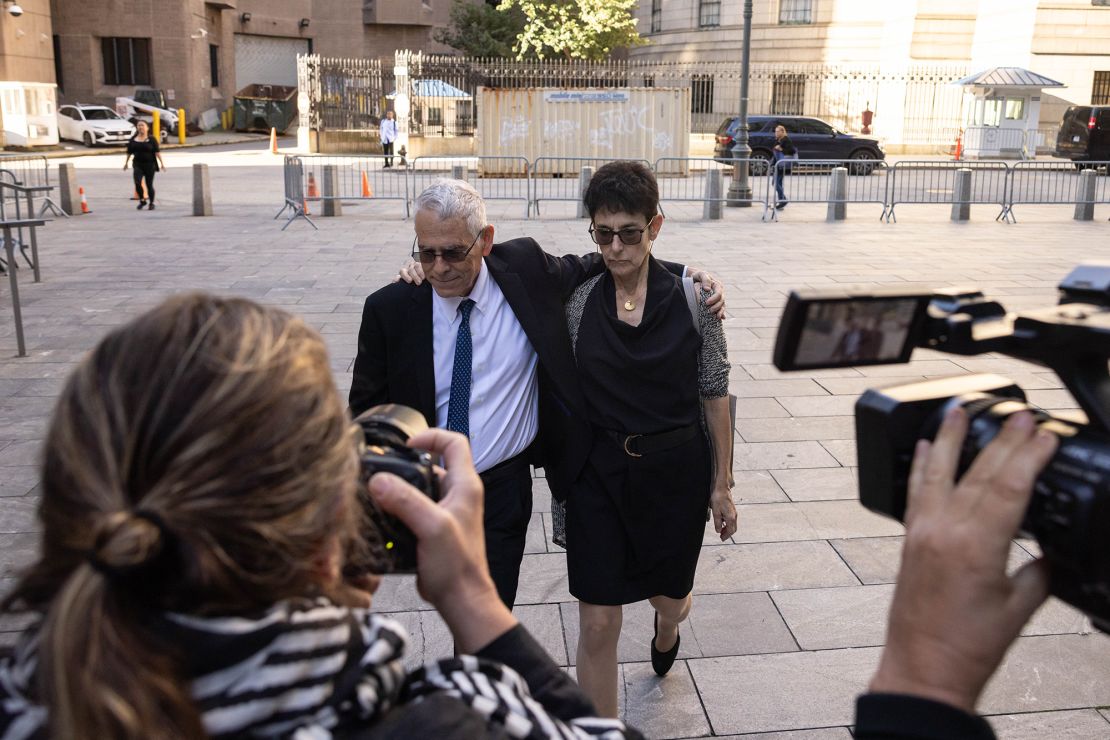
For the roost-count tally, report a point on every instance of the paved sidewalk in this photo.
(789, 615)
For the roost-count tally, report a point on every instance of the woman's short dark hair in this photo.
(623, 186)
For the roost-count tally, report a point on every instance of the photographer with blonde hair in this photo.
(199, 505)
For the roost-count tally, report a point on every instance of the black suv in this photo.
(814, 139)
(1085, 134)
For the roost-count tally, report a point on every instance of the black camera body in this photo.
(1069, 514)
(383, 449)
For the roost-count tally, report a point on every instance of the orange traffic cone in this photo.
(84, 201)
(959, 145)
(366, 191)
(312, 191)
(273, 141)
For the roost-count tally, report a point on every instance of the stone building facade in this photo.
(201, 52)
(1067, 40)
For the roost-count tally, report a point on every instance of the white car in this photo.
(93, 124)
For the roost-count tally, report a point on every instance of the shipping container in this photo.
(567, 125)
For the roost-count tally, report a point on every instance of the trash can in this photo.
(263, 107)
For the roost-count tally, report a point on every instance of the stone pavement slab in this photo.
(788, 616)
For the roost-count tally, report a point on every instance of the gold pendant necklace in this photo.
(629, 306)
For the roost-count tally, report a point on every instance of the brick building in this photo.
(200, 52)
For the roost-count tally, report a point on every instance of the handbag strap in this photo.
(691, 301)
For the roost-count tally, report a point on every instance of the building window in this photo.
(796, 11)
(656, 16)
(126, 61)
(709, 13)
(1100, 94)
(1101, 2)
(1015, 109)
(214, 64)
(701, 98)
(788, 95)
(649, 80)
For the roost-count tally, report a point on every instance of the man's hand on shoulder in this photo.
(410, 272)
(708, 281)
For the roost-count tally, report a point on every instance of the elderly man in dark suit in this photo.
(481, 347)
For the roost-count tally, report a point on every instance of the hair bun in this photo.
(127, 541)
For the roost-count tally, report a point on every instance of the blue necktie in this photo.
(458, 408)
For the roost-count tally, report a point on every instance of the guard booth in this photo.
(1002, 113)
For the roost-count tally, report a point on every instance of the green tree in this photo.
(481, 29)
(574, 29)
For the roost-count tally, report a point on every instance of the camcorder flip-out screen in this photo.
(824, 328)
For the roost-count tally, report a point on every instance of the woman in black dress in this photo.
(656, 386)
(148, 160)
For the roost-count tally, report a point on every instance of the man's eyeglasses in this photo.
(629, 236)
(458, 254)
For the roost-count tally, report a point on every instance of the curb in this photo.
(102, 151)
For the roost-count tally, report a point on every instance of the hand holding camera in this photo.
(451, 568)
(955, 609)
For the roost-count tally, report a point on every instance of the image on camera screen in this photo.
(855, 332)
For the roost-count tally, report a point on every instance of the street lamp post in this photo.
(740, 191)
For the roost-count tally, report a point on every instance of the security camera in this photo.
(15, 10)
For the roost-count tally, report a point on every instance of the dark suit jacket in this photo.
(395, 363)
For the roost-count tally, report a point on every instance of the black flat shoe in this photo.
(141, 206)
(662, 662)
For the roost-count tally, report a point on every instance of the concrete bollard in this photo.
(202, 191)
(1085, 196)
(961, 195)
(67, 184)
(584, 178)
(838, 194)
(333, 206)
(458, 172)
(711, 210)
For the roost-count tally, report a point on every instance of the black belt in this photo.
(501, 469)
(638, 445)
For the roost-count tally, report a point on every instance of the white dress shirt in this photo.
(504, 394)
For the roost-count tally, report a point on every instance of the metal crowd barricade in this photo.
(1051, 183)
(810, 181)
(931, 182)
(295, 199)
(556, 178)
(33, 171)
(684, 180)
(358, 178)
(495, 178)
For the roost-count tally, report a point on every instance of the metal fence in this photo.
(929, 182)
(1054, 183)
(320, 179)
(913, 104)
(686, 180)
(557, 178)
(511, 183)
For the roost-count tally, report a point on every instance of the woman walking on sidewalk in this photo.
(148, 160)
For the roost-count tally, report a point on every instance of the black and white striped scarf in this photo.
(306, 670)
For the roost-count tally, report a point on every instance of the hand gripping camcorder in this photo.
(1070, 510)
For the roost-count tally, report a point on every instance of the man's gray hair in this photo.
(449, 199)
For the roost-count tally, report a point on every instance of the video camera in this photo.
(1069, 514)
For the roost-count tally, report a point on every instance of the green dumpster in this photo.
(263, 107)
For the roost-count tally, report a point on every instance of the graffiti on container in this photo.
(562, 129)
(663, 141)
(616, 123)
(513, 129)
